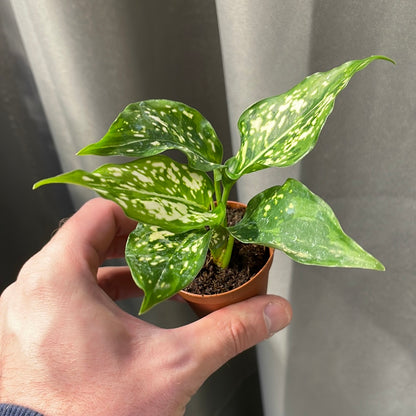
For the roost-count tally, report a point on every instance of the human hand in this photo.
(67, 348)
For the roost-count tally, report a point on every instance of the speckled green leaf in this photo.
(150, 127)
(279, 131)
(292, 219)
(163, 263)
(221, 246)
(154, 190)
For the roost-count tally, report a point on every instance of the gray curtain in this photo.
(27, 151)
(86, 60)
(351, 349)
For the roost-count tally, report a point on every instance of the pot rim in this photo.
(232, 291)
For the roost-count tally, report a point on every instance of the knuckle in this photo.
(238, 336)
(31, 279)
(8, 292)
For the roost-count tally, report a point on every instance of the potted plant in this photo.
(181, 209)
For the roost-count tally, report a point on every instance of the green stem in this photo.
(226, 257)
(228, 252)
(223, 250)
(217, 184)
(226, 191)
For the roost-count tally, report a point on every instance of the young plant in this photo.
(181, 211)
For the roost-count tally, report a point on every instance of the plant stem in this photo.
(217, 184)
(221, 251)
(226, 191)
(228, 252)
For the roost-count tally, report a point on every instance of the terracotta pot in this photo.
(204, 304)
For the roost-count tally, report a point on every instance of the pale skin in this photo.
(67, 348)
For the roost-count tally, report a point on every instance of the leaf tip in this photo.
(144, 307)
(380, 267)
(84, 151)
(385, 58)
(373, 264)
(38, 184)
(148, 303)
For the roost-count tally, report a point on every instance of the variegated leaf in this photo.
(150, 127)
(292, 219)
(279, 131)
(155, 190)
(163, 263)
(221, 246)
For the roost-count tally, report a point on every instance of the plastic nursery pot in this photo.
(257, 285)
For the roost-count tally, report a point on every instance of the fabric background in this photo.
(351, 349)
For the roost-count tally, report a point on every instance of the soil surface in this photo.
(246, 261)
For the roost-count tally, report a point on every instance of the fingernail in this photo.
(276, 317)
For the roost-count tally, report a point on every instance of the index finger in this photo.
(97, 231)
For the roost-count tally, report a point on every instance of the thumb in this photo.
(223, 334)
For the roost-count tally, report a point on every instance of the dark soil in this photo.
(246, 261)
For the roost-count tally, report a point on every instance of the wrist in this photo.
(15, 410)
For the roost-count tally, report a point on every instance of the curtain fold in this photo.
(89, 60)
(27, 219)
(351, 347)
(265, 48)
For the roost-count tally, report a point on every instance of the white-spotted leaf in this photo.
(163, 263)
(155, 190)
(279, 131)
(292, 219)
(221, 246)
(147, 128)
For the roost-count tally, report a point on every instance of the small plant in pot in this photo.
(181, 209)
